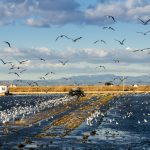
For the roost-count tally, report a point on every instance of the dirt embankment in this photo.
(62, 88)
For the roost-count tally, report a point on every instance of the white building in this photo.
(4, 89)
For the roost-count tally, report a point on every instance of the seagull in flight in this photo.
(67, 78)
(8, 44)
(42, 78)
(122, 79)
(23, 61)
(144, 49)
(110, 28)
(99, 41)
(96, 41)
(5, 62)
(121, 42)
(46, 74)
(144, 33)
(116, 60)
(35, 83)
(136, 50)
(61, 36)
(42, 59)
(75, 40)
(63, 62)
(14, 73)
(103, 41)
(111, 17)
(101, 67)
(23, 70)
(144, 22)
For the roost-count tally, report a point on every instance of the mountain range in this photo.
(86, 80)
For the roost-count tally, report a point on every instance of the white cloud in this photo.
(44, 13)
(122, 10)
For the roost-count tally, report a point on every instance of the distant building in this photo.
(4, 90)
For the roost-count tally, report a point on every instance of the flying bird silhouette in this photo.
(5, 62)
(103, 41)
(63, 62)
(61, 36)
(42, 59)
(111, 17)
(46, 74)
(144, 49)
(136, 50)
(122, 79)
(42, 78)
(121, 42)
(23, 70)
(14, 73)
(144, 33)
(23, 61)
(35, 83)
(96, 41)
(75, 40)
(116, 60)
(67, 79)
(144, 22)
(110, 28)
(101, 67)
(8, 43)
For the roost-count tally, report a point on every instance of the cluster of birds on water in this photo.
(124, 110)
(22, 109)
(20, 67)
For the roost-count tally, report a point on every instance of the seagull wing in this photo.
(147, 21)
(8, 43)
(2, 61)
(112, 28)
(57, 38)
(61, 61)
(123, 40)
(141, 20)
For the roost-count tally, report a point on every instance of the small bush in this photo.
(76, 92)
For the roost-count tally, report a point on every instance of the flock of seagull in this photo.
(24, 108)
(19, 68)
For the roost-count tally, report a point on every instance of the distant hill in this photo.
(86, 80)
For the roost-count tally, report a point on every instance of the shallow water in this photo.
(125, 125)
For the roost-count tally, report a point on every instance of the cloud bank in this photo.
(45, 13)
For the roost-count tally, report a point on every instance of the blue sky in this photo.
(31, 27)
